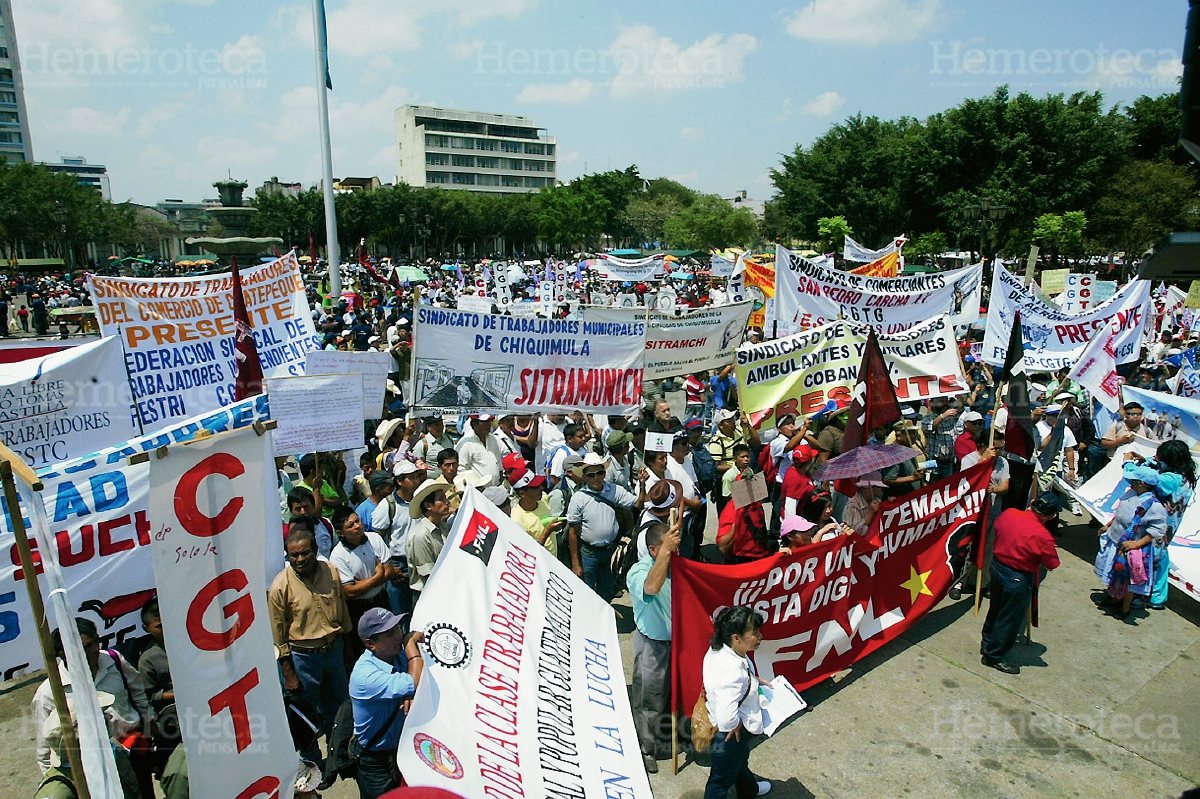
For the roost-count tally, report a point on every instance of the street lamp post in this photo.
(986, 217)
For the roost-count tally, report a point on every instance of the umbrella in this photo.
(411, 273)
(861, 460)
(681, 275)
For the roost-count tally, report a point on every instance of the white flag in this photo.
(1096, 369)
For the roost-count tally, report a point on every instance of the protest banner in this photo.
(759, 282)
(830, 604)
(475, 303)
(68, 404)
(1096, 370)
(853, 251)
(680, 345)
(887, 266)
(1170, 416)
(611, 267)
(178, 334)
(1054, 338)
(722, 266)
(208, 500)
(1105, 289)
(809, 295)
(1054, 281)
(98, 508)
(318, 413)
(1192, 300)
(373, 366)
(1099, 497)
(1188, 378)
(523, 693)
(485, 363)
(800, 373)
(1079, 293)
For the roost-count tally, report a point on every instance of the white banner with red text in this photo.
(68, 404)
(208, 501)
(809, 295)
(178, 334)
(829, 604)
(1055, 339)
(523, 692)
(799, 374)
(486, 363)
(98, 508)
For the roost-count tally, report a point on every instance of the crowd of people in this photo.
(360, 543)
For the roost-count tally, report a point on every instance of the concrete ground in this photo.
(1102, 708)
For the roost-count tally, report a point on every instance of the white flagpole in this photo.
(331, 234)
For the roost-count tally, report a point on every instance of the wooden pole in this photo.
(983, 535)
(70, 741)
(674, 519)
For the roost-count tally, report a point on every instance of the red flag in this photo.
(874, 403)
(249, 378)
(832, 603)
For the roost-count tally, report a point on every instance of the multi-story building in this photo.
(15, 144)
(92, 175)
(496, 153)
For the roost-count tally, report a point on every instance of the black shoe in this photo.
(986, 592)
(955, 592)
(651, 764)
(1000, 665)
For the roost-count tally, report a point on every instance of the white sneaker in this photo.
(764, 787)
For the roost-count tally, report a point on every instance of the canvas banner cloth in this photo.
(1054, 338)
(208, 500)
(853, 251)
(835, 602)
(485, 363)
(1099, 497)
(68, 404)
(523, 692)
(98, 509)
(800, 373)
(178, 334)
(705, 338)
(808, 295)
(614, 268)
(759, 280)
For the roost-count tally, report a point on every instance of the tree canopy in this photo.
(1053, 155)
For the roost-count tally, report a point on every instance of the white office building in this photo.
(497, 153)
(14, 122)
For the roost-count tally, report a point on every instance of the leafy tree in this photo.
(1061, 232)
(926, 245)
(710, 223)
(1145, 201)
(833, 231)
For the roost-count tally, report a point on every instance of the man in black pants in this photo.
(1023, 547)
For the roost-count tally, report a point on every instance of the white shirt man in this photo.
(361, 562)
(479, 452)
(550, 437)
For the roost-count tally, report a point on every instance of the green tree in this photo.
(926, 245)
(1061, 233)
(710, 223)
(832, 231)
(1145, 201)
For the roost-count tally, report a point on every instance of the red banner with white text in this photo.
(834, 602)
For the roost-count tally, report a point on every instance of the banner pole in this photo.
(29, 571)
(983, 536)
(1029, 624)
(673, 518)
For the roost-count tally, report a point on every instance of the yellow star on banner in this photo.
(916, 584)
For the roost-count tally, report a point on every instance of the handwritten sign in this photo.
(322, 413)
(373, 366)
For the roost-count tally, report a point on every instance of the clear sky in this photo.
(174, 94)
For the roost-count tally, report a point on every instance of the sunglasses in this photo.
(594, 473)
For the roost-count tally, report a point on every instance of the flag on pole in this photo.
(248, 382)
(874, 402)
(1018, 432)
(1096, 370)
(323, 43)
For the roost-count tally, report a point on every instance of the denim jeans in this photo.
(730, 766)
(377, 773)
(323, 683)
(1011, 591)
(597, 569)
